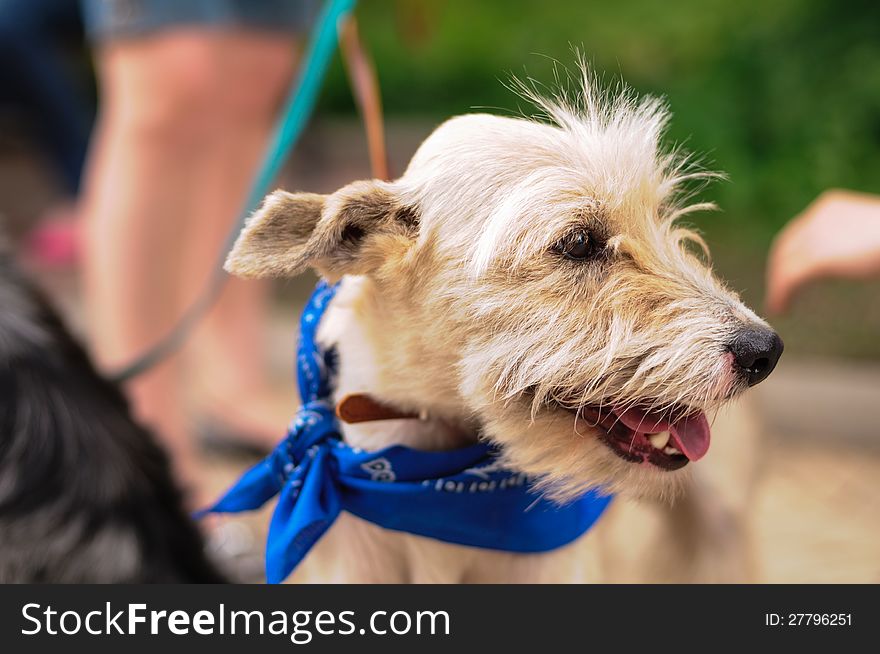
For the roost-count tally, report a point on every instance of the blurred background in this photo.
(781, 95)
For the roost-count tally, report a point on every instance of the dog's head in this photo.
(537, 273)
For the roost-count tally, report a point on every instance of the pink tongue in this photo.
(690, 434)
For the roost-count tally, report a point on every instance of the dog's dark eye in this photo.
(577, 246)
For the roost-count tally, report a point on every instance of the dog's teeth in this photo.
(671, 450)
(659, 440)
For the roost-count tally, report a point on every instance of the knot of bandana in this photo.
(462, 496)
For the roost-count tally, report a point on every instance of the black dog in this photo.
(86, 494)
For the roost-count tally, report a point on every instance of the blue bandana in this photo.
(461, 496)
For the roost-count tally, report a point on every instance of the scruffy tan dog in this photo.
(525, 281)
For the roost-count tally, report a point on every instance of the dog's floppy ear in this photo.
(273, 242)
(331, 233)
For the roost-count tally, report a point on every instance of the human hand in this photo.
(838, 235)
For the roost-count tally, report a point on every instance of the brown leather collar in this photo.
(361, 407)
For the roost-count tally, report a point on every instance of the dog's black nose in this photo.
(756, 351)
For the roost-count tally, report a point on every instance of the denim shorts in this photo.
(111, 19)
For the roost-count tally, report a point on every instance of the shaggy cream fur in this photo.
(458, 300)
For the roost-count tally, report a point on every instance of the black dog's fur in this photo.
(86, 494)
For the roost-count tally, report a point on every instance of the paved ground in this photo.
(818, 509)
(816, 515)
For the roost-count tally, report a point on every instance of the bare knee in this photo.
(255, 77)
(190, 88)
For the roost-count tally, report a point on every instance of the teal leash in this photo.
(298, 108)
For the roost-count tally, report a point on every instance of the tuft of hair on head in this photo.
(617, 136)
